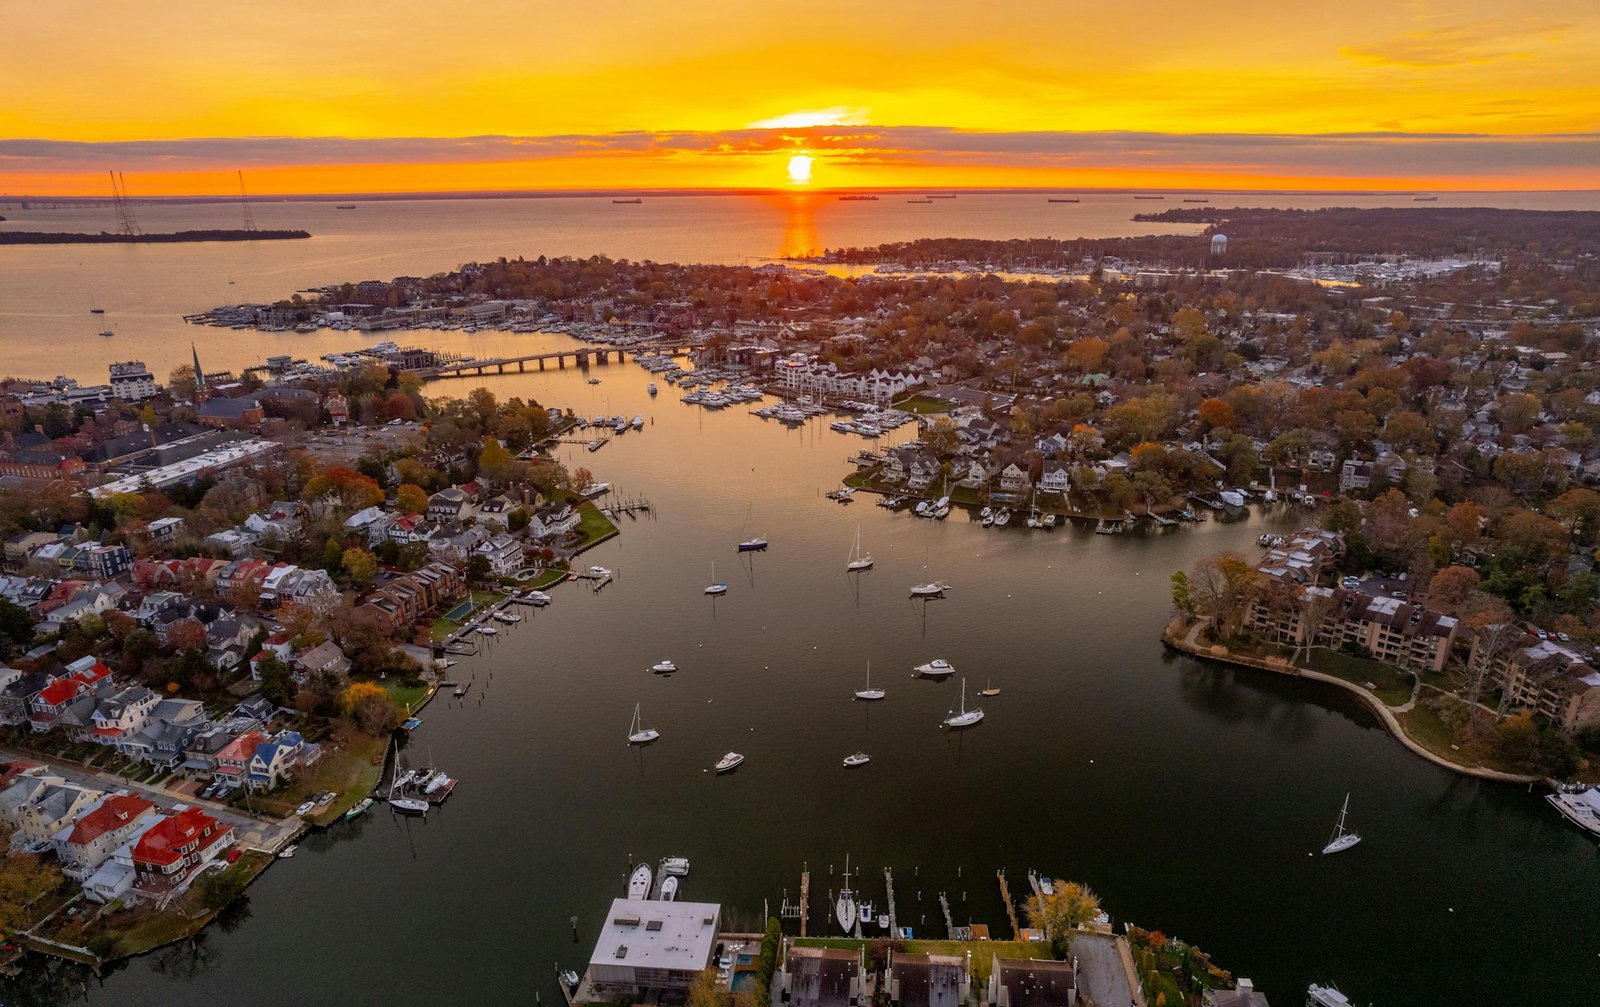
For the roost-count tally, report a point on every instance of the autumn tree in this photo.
(24, 879)
(1224, 585)
(370, 707)
(1070, 906)
(410, 499)
(1451, 587)
(1216, 413)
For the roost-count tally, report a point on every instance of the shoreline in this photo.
(172, 237)
(1222, 655)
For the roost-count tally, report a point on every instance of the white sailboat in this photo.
(932, 589)
(716, 586)
(963, 717)
(869, 692)
(638, 734)
(1342, 840)
(858, 560)
(844, 907)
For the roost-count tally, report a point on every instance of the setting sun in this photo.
(800, 169)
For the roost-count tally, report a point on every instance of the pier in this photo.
(581, 357)
(1011, 909)
(894, 923)
(949, 921)
(805, 899)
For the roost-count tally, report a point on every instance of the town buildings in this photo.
(652, 945)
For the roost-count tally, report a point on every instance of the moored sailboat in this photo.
(858, 560)
(1342, 838)
(638, 734)
(869, 693)
(961, 716)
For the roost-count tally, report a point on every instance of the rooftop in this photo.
(645, 934)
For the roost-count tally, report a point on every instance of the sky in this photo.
(309, 96)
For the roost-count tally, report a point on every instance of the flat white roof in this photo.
(646, 934)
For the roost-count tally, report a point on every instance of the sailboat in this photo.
(988, 690)
(638, 734)
(858, 559)
(404, 805)
(1033, 514)
(1342, 840)
(869, 692)
(844, 907)
(963, 717)
(716, 586)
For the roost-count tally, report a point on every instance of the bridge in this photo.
(581, 356)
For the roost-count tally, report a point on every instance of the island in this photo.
(107, 238)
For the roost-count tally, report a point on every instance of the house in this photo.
(1032, 982)
(89, 842)
(1544, 676)
(324, 659)
(164, 529)
(1243, 994)
(924, 980)
(821, 977)
(280, 759)
(170, 852)
(230, 541)
(52, 808)
(230, 414)
(504, 554)
(232, 762)
(1014, 480)
(18, 691)
(164, 742)
(448, 504)
(122, 714)
(553, 521)
(46, 706)
(652, 945)
(1056, 478)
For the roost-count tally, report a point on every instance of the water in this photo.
(46, 291)
(1192, 798)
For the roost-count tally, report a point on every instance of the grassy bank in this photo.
(349, 767)
(593, 527)
(983, 952)
(924, 404)
(1393, 684)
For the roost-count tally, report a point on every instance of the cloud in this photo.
(1458, 45)
(838, 115)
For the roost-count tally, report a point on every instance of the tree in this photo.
(410, 499)
(370, 707)
(181, 383)
(1058, 914)
(1451, 587)
(1224, 586)
(218, 889)
(1189, 324)
(1183, 599)
(16, 626)
(24, 879)
(478, 568)
(277, 687)
(187, 634)
(771, 944)
(494, 459)
(703, 990)
(941, 437)
(1579, 510)
(1216, 413)
(359, 564)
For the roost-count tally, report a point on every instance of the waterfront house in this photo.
(1545, 676)
(1243, 994)
(1014, 480)
(324, 659)
(91, 840)
(174, 848)
(552, 521)
(503, 552)
(647, 945)
(1056, 478)
(821, 977)
(280, 759)
(1031, 982)
(922, 980)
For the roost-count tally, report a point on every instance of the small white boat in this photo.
(675, 865)
(639, 883)
(753, 545)
(866, 914)
(669, 889)
(988, 690)
(638, 734)
(1581, 808)
(663, 667)
(986, 512)
(858, 560)
(599, 571)
(488, 630)
(961, 716)
(409, 805)
(937, 668)
(716, 586)
(932, 589)
(1326, 996)
(508, 617)
(869, 693)
(1342, 840)
(858, 759)
(287, 851)
(1048, 521)
(537, 598)
(729, 761)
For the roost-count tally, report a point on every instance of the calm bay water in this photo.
(1190, 797)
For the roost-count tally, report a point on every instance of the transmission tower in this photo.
(244, 200)
(119, 203)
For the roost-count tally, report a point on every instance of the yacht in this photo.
(1002, 519)
(858, 759)
(753, 545)
(507, 617)
(1342, 840)
(729, 761)
(1581, 809)
(932, 589)
(1325, 996)
(669, 889)
(538, 598)
(639, 883)
(663, 667)
(675, 866)
(409, 805)
(638, 734)
(488, 630)
(869, 693)
(936, 668)
(961, 716)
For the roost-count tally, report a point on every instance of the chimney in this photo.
(1246, 987)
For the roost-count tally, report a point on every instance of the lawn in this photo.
(983, 951)
(405, 696)
(593, 527)
(134, 931)
(548, 578)
(1393, 684)
(350, 769)
(924, 404)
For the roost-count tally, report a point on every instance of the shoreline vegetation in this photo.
(107, 238)
(1183, 636)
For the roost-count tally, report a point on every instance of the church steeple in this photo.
(199, 375)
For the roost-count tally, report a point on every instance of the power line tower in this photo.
(244, 200)
(119, 203)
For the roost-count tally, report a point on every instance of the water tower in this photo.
(1219, 244)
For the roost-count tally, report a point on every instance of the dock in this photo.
(1033, 882)
(949, 921)
(805, 899)
(888, 882)
(1011, 909)
(580, 356)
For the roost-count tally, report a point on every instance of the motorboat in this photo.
(1342, 839)
(570, 978)
(753, 545)
(487, 630)
(599, 572)
(360, 808)
(537, 598)
(638, 734)
(866, 914)
(932, 589)
(960, 716)
(1581, 808)
(663, 667)
(936, 668)
(287, 851)
(678, 866)
(507, 617)
(1002, 519)
(652, 389)
(858, 759)
(639, 883)
(669, 889)
(729, 761)
(1325, 996)
(1048, 521)
(869, 693)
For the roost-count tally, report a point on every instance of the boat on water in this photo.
(988, 690)
(639, 883)
(507, 617)
(932, 589)
(753, 545)
(409, 805)
(1061, 199)
(663, 667)
(652, 389)
(635, 200)
(1581, 808)
(537, 598)
(858, 197)
(287, 851)
(1048, 521)
(1342, 838)
(866, 914)
(1002, 519)
(488, 630)
(675, 865)
(638, 734)
(844, 906)
(959, 716)
(1424, 199)
(344, 206)
(361, 807)
(858, 759)
(869, 693)
(858, 560)
(729, 761)
(1325, 996)
(570, 978)
(936, 668)
(599, 572)
(716, 586)
(919, 200)
(107, 333)
(669, 889)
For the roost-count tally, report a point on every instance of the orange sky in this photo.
(1469, 94)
